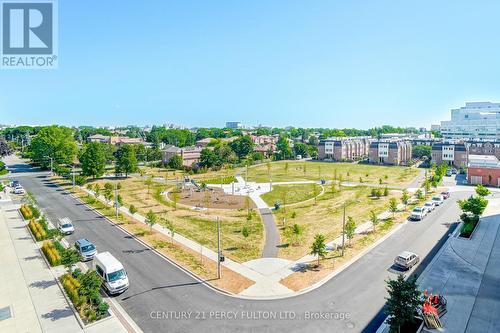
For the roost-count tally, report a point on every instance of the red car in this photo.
(445, 194)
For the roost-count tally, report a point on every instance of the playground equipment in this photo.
(433, 308)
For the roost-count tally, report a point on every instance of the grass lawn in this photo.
(326, 216)
(290, 194)
(199, 226)
(283, 171)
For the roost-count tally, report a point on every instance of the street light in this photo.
(219, 256)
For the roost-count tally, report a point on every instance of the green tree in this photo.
(171, 227)
(420, 151)
(108, 194)
(374, 219)
(284, 151)
(126, 162)
(294, 233)
(97, 190)
(132, 209)
(393, 206)
(405, 198)
(175, 162)
(56, 142)
(386, 191)
(403, 301)
(350, 229)
(482, 190)
(318, 247)
(148, 182)
(5, 148)
(70, 257)
(419, 194)
(474, 204)
(242, 146)
(151, 219)
(93, 159)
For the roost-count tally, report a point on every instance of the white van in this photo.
(112, 271)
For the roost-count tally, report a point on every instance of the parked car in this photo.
(15, 183)
(445, 194)
(454, 171)
(449, 173)
(65, 226)
(418, 213)
(406, 259)
(429, 206)
(114, 276)
(18, 190)
(86, 249)
(438, 200)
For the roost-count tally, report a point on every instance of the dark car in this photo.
(445, 194)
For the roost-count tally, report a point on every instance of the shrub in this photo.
(51, 253)
(132, 209)
(26, 212)
(37, 230)
(71, 286)
(102, 308)
(35, 212)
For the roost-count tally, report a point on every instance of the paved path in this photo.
(272, 234)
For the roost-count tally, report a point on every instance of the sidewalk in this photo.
(467, 273)
(29, 286)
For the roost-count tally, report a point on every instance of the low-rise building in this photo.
(484, 148)
(125, 140)
(99, 138)
(190, 155)
(343, 149)
(391, 152)
(453, 154)
(483, 169)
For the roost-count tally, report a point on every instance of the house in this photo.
(390, 151)
(484, 148)
(190, 155)
(99, 138)
(483, 169)
(343, 149)
(453, 154)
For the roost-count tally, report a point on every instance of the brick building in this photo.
(483, 169)
(343, 149)
(453, 154)
(392, 152)
(190, 155)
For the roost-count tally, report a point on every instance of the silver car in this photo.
(406, 260)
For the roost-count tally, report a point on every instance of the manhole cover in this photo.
(5, 313)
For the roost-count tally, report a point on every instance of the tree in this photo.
(132, 209)
(5, 148)
(405, 198)
(170, 226)
(242, 146)
(393, 206)
(350, 229)
(419, 194)
(482, 191)
(318, 247)
(386, 191)
(403, 301)
(374, 219)
(56, 142)
(474, 204)
(97, 190)
(420, 151)
(294, 233)
(119, 199)
(301, 149)
(148, 182)
(126, 161)
(108, 194)
(151, 219)
(175, 162)
(284, 151)
(93, 159)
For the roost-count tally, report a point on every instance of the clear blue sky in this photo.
(303, 63)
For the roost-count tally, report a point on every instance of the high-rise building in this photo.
(475, 120)
(233, 124)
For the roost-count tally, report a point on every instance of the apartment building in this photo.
(190, 155)
(484, 148)
(453, 154)
(343, 149)
(476, 120)
(391, 152)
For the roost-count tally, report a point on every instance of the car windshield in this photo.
(116, 275)
(428, 204)
(88, 248)
(417, 210)
(67, 225)
(436, 198)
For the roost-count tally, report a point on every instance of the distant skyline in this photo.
(277, 63)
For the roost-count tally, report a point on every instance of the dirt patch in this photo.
(213, 197)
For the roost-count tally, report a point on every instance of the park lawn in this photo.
(290, 194)
(311, 274)
(326, 216)
(284, 171)
(200, 226)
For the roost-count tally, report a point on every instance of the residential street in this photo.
(158, 287)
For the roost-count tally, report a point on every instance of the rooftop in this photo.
(483, 161)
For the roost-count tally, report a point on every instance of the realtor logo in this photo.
(29, 38)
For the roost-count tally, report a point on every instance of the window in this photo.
(99, 270)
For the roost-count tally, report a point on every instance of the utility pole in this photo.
(73, 174)
(116, 198)
(218, 248)
(343, 231)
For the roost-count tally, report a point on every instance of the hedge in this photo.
(52, 254)
(37, 230)
(26, 212)
(71, 286)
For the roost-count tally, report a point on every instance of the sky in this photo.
(272, 62)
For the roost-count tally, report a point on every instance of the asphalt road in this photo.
(353, 299)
